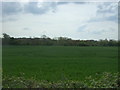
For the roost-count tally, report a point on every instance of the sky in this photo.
(76, 20)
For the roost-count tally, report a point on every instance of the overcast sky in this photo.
(75, 20)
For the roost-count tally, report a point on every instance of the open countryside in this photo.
(55, 63)
(58, 44)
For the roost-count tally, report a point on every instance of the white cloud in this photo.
(100, 30)
(66, 21)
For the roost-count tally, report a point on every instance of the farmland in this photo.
(55, 63)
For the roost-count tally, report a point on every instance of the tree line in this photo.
(58, 41)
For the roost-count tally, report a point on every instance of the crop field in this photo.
(53, 63)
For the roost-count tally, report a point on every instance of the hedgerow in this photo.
(104, 80)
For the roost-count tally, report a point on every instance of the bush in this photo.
(104, 80)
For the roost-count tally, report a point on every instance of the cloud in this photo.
(11, 19)
(113, 18)
(82, 28)
(11, 11)
(62, 3)
(39, 7)
(106, 11)
(80, 2)
(26, 28)
(11, 8)
(78, 21)
(107, 7)
(99, 30)
(32, 7)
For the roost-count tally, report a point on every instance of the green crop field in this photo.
(54, 63)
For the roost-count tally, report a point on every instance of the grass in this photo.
(54, 63)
